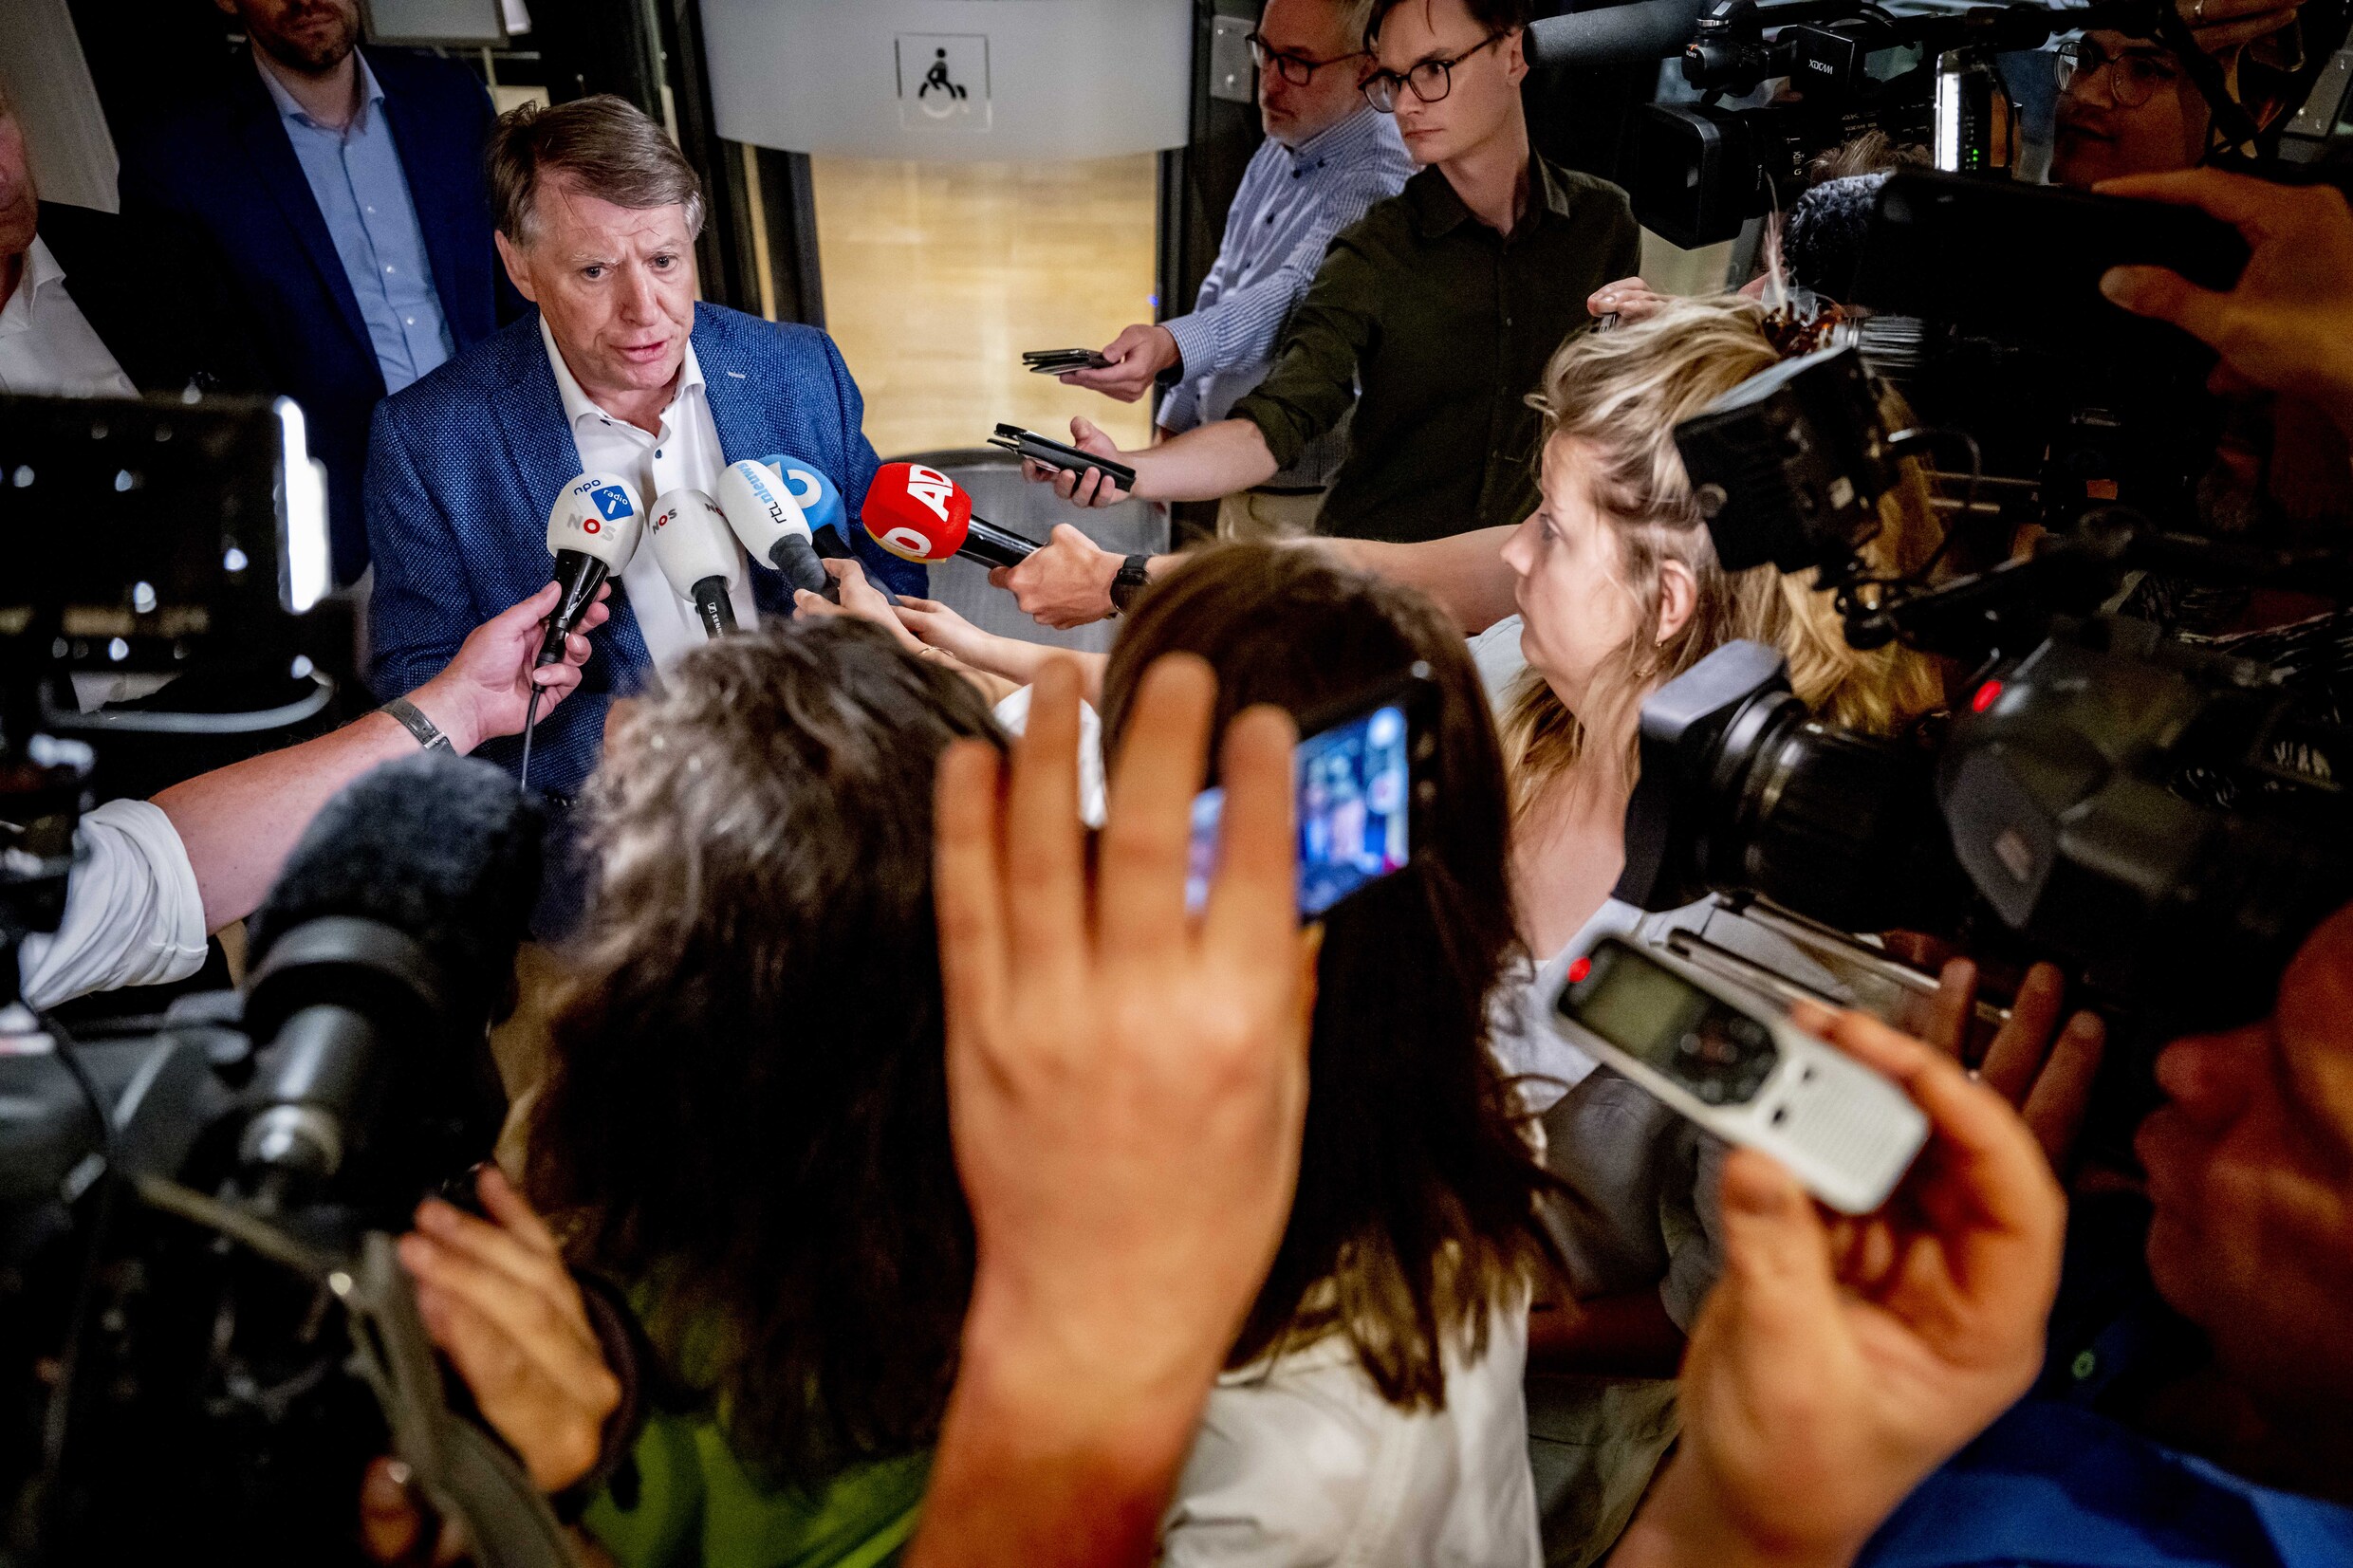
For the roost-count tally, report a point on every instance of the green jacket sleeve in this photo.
(1313, 383)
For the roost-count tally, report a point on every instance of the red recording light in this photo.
(1579, 969)
(1988, 694)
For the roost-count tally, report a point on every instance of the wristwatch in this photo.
(1133, 580)
(412, 719)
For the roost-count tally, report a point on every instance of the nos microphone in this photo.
(379, 958)
(592, 531)
(920, 514)
(698, 556)
(766, 517)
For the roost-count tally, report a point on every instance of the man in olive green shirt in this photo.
(1432, 317)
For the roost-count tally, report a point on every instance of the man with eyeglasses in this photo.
(2127, 107)
(1433, 318)
(1327, 157)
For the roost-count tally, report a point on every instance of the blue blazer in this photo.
(464, 465)
(223, 165)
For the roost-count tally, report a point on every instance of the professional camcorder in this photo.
(204, 1327)
(1923, 75)
(2156, 815)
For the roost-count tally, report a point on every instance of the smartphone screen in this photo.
(1353, 784)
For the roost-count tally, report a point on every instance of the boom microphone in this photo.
(698, 556)
(756, 504)
(920, 514)
(592, 531)
(1615, 35)
(379, 958)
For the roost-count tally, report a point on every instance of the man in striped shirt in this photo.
(1327, 157)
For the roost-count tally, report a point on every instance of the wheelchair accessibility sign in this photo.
(943, 80)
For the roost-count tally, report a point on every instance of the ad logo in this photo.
(930, 487)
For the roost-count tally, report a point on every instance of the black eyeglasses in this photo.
(2134, 81)
(1430, 80)
(1295, 69)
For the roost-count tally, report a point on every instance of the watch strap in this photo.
(412, 719)
(1132, 579)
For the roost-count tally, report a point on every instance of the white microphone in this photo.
(758, 505)
(592, 531)
(697, 555)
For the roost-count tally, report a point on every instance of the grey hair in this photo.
(607, 144)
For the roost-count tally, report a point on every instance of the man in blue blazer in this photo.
(344, 188)
(622, 372)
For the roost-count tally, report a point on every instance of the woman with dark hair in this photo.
(745, 1123)
(1372, 1410)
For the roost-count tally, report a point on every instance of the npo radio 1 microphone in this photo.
(592, 531)
(920, 514)
(765, 516)
(379, 958)
(698, 556)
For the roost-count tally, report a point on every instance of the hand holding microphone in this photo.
(592, 531)
(920, 514)
(768, 519)
(698, 556)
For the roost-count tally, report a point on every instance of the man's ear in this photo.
(1515, 47)
(1679, 597)
(516, 273)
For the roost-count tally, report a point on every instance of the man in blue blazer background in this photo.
(620, 371)
(344, 188)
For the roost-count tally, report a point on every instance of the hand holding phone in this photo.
(1061, 361)
(1055, 455)
(1739, 1068)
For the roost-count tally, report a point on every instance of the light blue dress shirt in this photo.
(356, 177)
(1292, 202)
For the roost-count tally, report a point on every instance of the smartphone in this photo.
(1058, 361)
(1734, 1063)
(1998, 254)
(1054, 454)
(1364, 777)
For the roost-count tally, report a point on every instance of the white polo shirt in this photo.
(682, 454)
(48, 347)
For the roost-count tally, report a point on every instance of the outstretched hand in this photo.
(1127, 1088)
(2287, 326)
(484, 692)
(1092, 487)
(1836, 1364)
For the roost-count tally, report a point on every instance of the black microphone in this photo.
(1615, 35)
(592, 531)
(379, 958)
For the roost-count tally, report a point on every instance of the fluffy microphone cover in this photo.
(443, 849)
(1822, 242)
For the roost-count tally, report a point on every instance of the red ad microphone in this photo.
(920, 514)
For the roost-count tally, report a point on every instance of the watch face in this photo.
(1715, 1051)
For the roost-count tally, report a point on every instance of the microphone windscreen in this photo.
(1615, 35)
(759, 508)
(442, 849)
(818, 497)
(1823, 239)
(917, 513)
(599, 515)
(692, 542)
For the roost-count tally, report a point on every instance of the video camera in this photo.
(2156, 815)
(1924, 75)
(207, 1332)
